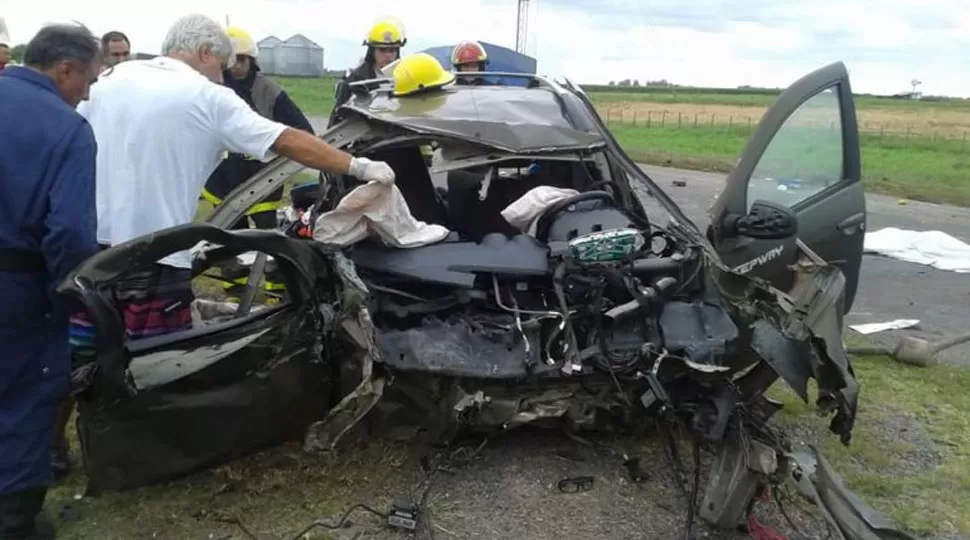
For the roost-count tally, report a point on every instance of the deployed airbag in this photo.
(380, 210)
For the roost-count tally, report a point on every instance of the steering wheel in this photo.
(547, 216)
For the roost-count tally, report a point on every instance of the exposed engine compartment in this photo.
(598, 311)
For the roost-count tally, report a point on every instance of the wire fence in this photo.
(745, 124)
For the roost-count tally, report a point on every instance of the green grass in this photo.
(763, 100)
(929, 501)
(915, 168)
(314, 96)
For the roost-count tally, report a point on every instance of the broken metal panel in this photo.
(704, 332)
(511, 119)
(731, 484)
(848, 517)
(323, 436)
(815, 318)
(456, 348)
(242, 404)
(783, 355)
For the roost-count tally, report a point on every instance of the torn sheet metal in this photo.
(849, 518)
(323, 436)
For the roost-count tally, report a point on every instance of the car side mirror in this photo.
(766, 220)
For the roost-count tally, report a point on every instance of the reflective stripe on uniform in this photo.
(243, 281)
(213, 200)
(258, 208)
(265, 206)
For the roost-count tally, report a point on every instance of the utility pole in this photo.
(522, 27)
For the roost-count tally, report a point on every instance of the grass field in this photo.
(910, 149)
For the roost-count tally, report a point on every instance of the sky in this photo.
(725, 43)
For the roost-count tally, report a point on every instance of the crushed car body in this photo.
(512, 275)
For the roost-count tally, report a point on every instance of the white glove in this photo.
(371, 171)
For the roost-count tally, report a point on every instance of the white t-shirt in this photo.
(162, 129)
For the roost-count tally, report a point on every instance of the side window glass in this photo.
(805, 155)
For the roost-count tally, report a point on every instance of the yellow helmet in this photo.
(419, 72)
(385, 34)
(242, 42)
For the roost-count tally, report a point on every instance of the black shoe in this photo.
(22, 516)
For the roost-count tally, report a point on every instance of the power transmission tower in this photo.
(522, 27)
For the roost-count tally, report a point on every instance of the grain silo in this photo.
(298, 56)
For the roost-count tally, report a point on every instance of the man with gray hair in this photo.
(162, 126)
(47, 184)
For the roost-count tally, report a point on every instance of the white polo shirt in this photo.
(162, 128)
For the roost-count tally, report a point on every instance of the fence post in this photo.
(695, 119)
(730, 123)
(663, 119)
(712, 119)
(634, 118)
(907, 132)
(964, 140)
(880, 132)
(749, 122)
(678, 119)
(649, 118)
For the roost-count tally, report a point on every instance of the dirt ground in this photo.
(943, 122)
(504, 488)
(507, 489)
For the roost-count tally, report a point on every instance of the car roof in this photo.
(514, 119)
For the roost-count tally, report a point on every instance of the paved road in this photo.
(889, 289)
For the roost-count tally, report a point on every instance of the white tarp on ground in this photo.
(932, 248)
(872, 328)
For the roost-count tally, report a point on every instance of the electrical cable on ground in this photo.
(340, 523)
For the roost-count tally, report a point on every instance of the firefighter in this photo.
(384, 43)
(469, 56)
(47, 178)
(267, 98)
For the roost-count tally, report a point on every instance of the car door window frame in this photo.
(843, 179)
(733, 199)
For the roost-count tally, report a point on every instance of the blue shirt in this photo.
(47, 189)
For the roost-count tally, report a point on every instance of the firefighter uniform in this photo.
(47, 228)
(469, 56)
(384, 34)
(267, 98)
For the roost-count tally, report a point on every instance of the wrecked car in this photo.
(521, 270)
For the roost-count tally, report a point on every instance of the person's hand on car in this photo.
(371, 171)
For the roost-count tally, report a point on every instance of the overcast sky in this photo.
(885, 43)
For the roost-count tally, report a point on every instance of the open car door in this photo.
(799, 177)
(157, 408)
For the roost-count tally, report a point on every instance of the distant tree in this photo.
(612, 83)
(17, 53)
(624, 82)
(636, 82)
